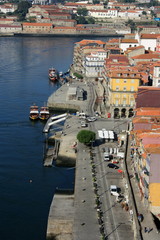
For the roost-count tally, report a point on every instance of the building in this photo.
(156, 74)
(122, 83)
(145, 153)
(81, 49)
(93, 63)
(37, 27)
(149, 41)
(148, 97)
(127, 43)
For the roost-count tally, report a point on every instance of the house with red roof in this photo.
(145, 155)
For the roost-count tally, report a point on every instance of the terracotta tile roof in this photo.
(64, 27)
(149, 36)
(135, 48)
(147, 56)
(6, 19)
(129, 41)
(148, 112)
(85, 42)
(37, 24)
(113, 40)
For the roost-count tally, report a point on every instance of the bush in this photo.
(78, 75)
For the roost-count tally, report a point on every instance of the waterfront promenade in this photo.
(86, 221)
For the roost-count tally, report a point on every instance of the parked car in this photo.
(112, 165)
(114, 190)
(83, 124)
(91, 119)
(107, 157)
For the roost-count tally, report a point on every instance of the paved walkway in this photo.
(148, 221)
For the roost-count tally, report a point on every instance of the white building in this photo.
(127, 43)
(149, 41)
(129, 14)
(8, 7)
(156, 74)
(108, 13)
(93, 63)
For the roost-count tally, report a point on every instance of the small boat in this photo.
(44, 113)
(34, 113)
(60, 74)
(53, 74)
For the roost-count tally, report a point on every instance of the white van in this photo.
(114, 190)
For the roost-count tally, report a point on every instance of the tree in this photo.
(86, 136)
(91, 20)
(81, 20)
(144, 13)
(22, 9)
(131, 24)
(82, 11)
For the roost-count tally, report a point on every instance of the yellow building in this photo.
(122, 84)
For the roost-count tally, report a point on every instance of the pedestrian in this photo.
(145, 229)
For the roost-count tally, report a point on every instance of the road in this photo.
(116, 222)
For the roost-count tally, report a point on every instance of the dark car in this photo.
(112, 165)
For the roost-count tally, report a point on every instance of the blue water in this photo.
(24, 205)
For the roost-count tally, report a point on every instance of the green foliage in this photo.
(90, 20)
(96, 1)
(22, 10)
(129, 1)
(78, 75)
(81, 20)
(144, 13)
(86, 136)
(82, 12)
(131, 24)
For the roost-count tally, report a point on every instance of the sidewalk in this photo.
(141, 209)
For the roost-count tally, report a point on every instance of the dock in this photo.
(51, 154)
(61, 215)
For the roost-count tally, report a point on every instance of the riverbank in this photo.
(65, 35)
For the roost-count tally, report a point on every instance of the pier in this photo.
(50, 122)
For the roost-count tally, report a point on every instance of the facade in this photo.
(82, 48)
(102, 14)
(123, 83)
(150, 57)
(37, 27)
(10, 28)
(127, 43)
(145, 154)
(93, 63)
(156, 75)
(134, 51)
(8, 7)
(149, 41)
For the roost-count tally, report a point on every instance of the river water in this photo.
(26, 187)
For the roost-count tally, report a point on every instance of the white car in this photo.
(83, 124)
(91, 119)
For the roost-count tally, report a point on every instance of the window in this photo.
(158, 81)
(124, 89)
(124, 102)
(117, 80)
(132, 80)
(125, 80)
(132, 89)
(116, 102)
(117, 88)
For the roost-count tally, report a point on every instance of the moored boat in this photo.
(53, 74)
(34, 113)
(44, 113)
